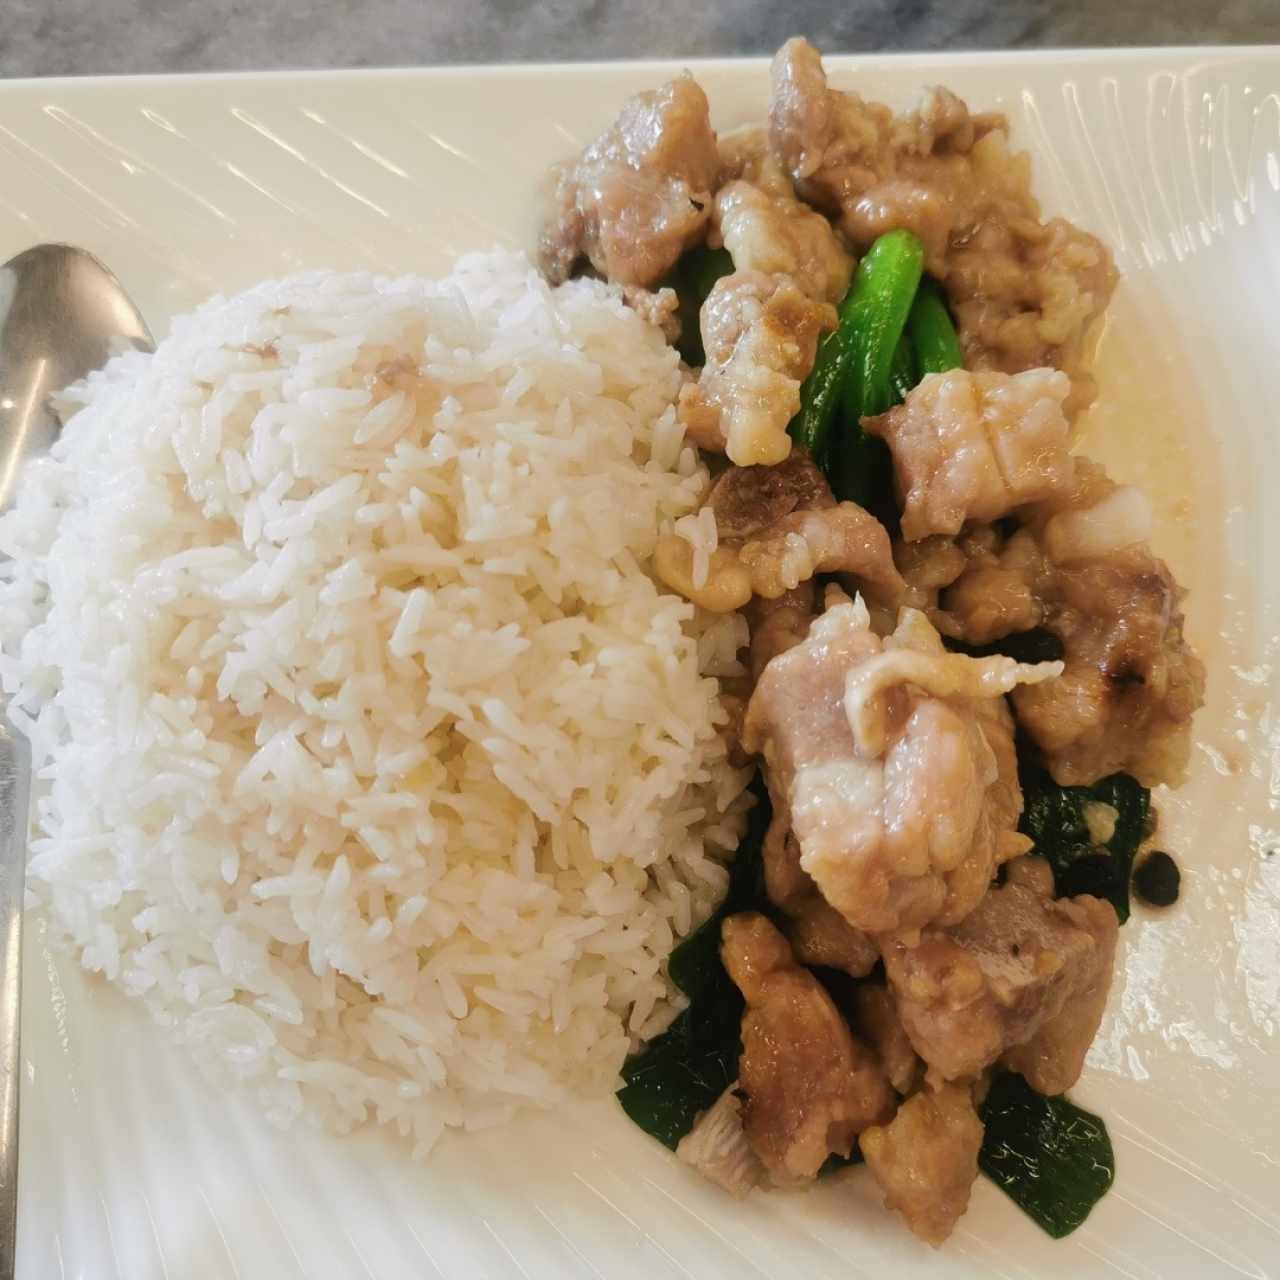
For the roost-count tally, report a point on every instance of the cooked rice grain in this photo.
(370, 756)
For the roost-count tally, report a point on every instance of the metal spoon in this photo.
(62, 315)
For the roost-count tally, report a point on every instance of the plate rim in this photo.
(1184, 57)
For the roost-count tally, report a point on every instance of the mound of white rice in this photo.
(368, 752)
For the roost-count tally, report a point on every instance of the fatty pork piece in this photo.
(895, 762)
(775, 528)
(1024, 292)
(640, 194)
(817, 932)
(767, 230)
(760, 334)
(1081, 569)
(810, 1086)
(926, 1159)
(1022, 976)
(975, 446)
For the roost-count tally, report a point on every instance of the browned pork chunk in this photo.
(810, 1087)
(974, 446)
(876, 1020)
(1021, 973)
(1051, 1061)
(1081, 568)
(640, 194)
(893, 763)
(1024, 292)
(818, 933)
(776, 527)
(926, 1159)
(779, 624)
(1132, 683)
(760, 333)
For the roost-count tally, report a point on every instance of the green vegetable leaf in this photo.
(1050, 1157)
(684, 1070)
(1053, 816)
(859, 466)
(934, 336)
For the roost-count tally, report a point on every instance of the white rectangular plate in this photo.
(133, 1168)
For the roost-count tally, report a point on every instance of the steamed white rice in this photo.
(369, 755)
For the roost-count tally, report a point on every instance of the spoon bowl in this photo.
(62, 315)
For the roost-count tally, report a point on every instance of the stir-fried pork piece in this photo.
(895, 763)
(779, 624)
(770, 231)
(760, 333)
(1051, 1061)
(1131, 683)
(748, 501)
(840, 539)
(973, 446)
(640, 194)
(818, 933)
(1024, 292)
(1002, 978)
(926, 1159)
(775, 528)
(876, 1020)
(811, 1087)
(717, 1146)
(745, 153)
(1081, 569)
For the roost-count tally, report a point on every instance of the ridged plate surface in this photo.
(133, 1168)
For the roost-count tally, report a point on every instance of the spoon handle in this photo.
(15, 785)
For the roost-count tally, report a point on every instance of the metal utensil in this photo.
(62, 315)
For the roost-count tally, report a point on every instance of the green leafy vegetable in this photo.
(1050, 1157)
(852, 369)
(684, 1070)
(693, 277)
(931, 332)
(1054, 817)
(859, 466)
(820, 393)
(884, 287)
(902, 372)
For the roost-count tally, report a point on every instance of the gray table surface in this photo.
(89, 37)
